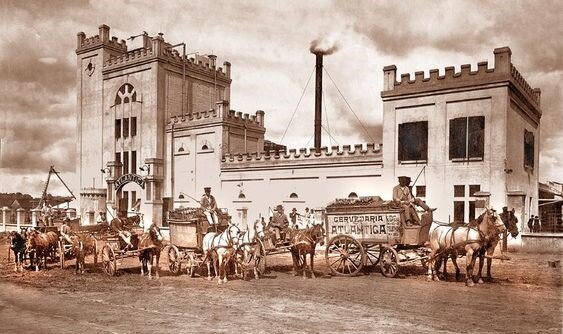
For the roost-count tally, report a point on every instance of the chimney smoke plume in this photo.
(323, 46)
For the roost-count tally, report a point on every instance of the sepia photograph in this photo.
(279, 167)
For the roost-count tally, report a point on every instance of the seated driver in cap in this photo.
(209, 206)
(402, 195)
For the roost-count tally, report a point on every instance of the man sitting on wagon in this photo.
(66, 230)
(209, 206)
(403, 197)
(279, 224)
(118, 226)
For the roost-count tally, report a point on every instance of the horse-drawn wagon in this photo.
(188, 227)
(369, 231)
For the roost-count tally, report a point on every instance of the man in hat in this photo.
(293, 216)
(118, 226)
(279, 223)
(402, 196)
(66, 230)
(209, 206)
(101, 218)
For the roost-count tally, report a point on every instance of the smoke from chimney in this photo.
(323, 46)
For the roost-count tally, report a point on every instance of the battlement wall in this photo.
(84, 43)
(503, 71)
(221, 112)
(304, 154)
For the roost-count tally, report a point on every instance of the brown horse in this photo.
(83, 245)
(466, 240)
(150, 245)
(304, 242)
(42, 245)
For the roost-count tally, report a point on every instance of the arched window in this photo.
(352, 195)
(125, 94)
(293, 196)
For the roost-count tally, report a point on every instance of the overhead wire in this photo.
(298, 103)
(348, 104)
(327, 124)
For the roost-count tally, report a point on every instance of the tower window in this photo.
(293, 196)
(125, 94)
(413, 141)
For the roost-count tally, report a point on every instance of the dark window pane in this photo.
(133, 126)
(459, 191)
(117, 128)
(476, 137)
(459, 211)
(473, 188)
(125, 127)
(133, 162)
(117, 157)
(413, 141)
(528, 149)
(471, 210)
(420, 191)
(458, 136)
(125, 162)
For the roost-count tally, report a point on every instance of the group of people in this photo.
(534, 224)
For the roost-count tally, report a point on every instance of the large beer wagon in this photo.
(369, 231)
(188, 226)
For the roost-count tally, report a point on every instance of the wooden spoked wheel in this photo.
(109, 264)
(191, 265)
(344, 255)
(174, 264)
(389, 261)
(372, 254)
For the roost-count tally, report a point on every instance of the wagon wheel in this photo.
(344, 255)
(372, 254)
(260, 258)
(62, 254)
(109, 263)
(389, 261)
(174, 264)
(191, 265)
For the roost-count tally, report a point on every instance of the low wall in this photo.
(542, 242)
(14, 227)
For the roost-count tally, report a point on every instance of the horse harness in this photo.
(229, 240)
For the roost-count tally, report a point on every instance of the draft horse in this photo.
(41, 245)
(150, 245)
(249, 249)
(219, 248)
(17, 245)
(466, 240)
(304, 242)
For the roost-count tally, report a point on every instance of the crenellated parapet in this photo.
(503, 71)
(336, 153)
(221, 113)
(84, 44)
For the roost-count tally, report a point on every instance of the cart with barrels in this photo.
(368, 231)
(188, 226)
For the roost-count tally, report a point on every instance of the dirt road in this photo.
(525, 298)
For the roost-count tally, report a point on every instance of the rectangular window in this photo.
(125, 162)
(117, 128)
(467, 137)
(118, 157)
(473, 188)
(133, 199)
(471, 210)
(459, 191)
(459, 211)
(133, 126)
(420, 191)
(528, 149)
(125, 127)
(134, 162)
(413, 141)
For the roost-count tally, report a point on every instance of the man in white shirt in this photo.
(402, 196)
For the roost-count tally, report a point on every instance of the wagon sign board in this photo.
(373, 227)
(127, 178)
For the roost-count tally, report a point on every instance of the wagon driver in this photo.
(279, 223)
(118, 226)
(209, 206)
(402, 195)
(66, 230)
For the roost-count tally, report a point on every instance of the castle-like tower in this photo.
(127, 103)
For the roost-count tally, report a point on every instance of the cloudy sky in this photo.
(268, 44)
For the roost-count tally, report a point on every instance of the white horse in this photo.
(249, 248)
(219, 247)
(445, 240)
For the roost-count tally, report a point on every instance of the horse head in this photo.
(259, 229)
(155, 234)
(318, 233)
(491, 225)
(233, 233)
(31, 241)
(510, 221)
